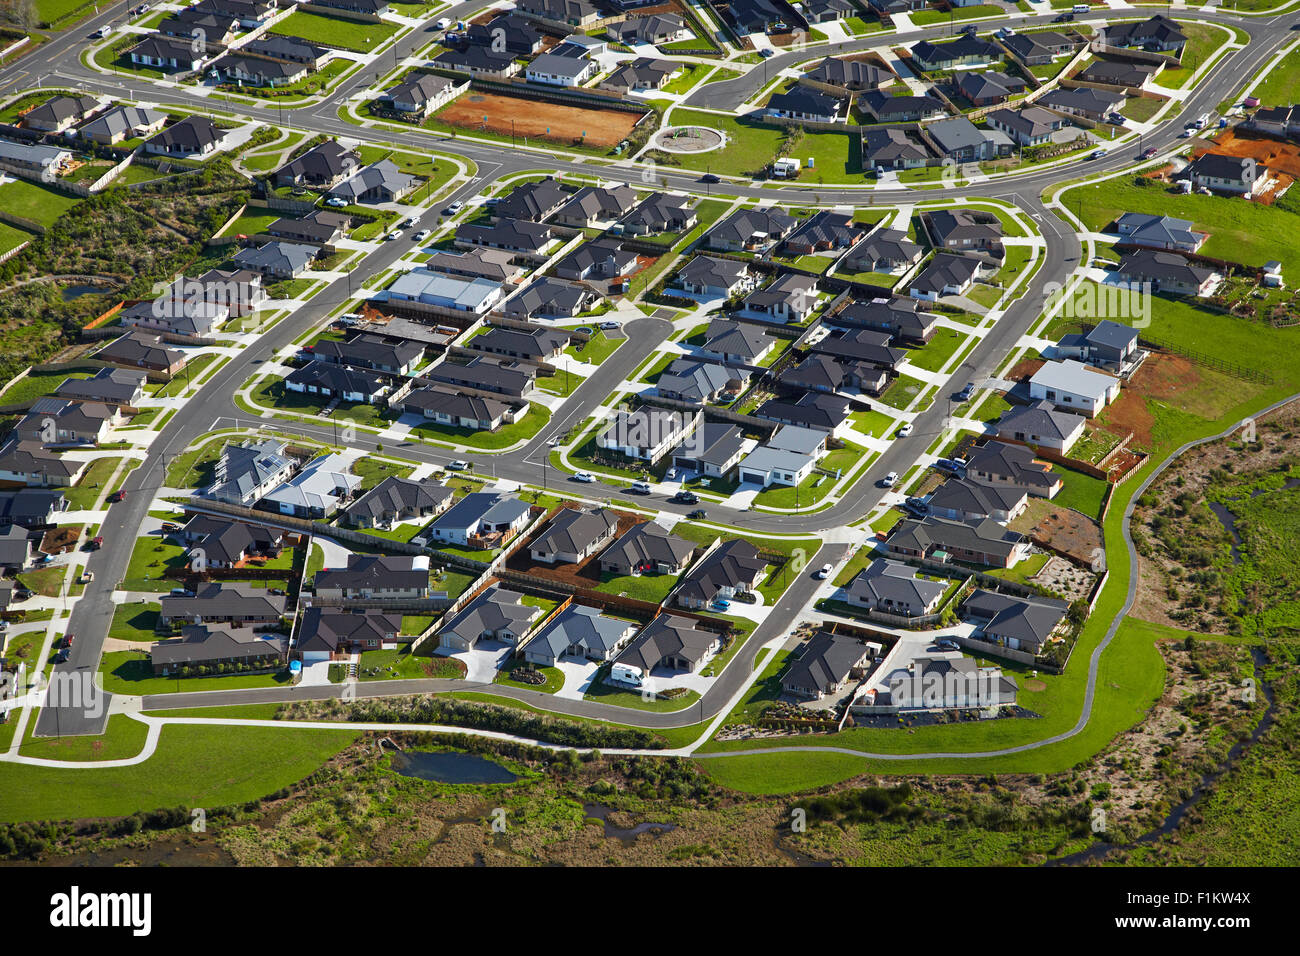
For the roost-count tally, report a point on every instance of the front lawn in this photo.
(505, 436)
(335, 31)
(151, 558)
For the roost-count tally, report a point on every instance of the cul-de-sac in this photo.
(669, 432)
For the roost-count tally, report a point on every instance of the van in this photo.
(641, 487)
(1081, 7)
(1203, 121)
(626, 674)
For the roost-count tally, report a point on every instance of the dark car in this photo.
(710, 178)
(1063, 18)
(699, 514)
(117, 496)
(686, 497)
(61, 657)
(68, 639)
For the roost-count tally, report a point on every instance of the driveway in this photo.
(483, 662)
(578, 676)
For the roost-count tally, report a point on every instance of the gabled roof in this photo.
(649, 542)
(800, 99)
(584, 627)
(727, 337)
(1041, 418)
(743, 224)
(693, 380)
(946, 269)
(668, 635)
(486, 507)
(967, 497)
(891, 582)
(729, 565)
(336, 378)
(713, 272)
(192, 134)
(532, 201)
(495, 610)
(376, 571)
(825, 661)
(573, 532)
(326, 630)
(241, 468)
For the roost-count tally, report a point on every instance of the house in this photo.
(30, 463)
(480, 262)
(15, 549)
(1159, 34)
(1042, 425)
(1236, 175)
(713, 278)
(1071, 385)
(58, 421)
(59, 113)
(573, 536)
(482, 519)
(514, 235)
(826, 413)
(597, 259)
(239, 290)
(989, 87)
(374, 8)
(1002, 465)
(657, 214)
(750, 229)
(648, 433)
(176, 314)
(513, 378)
(1129, 76)
(321, 167)
(713, 450)
(508, 33)
(827, 231)
(251, 14)
(758, 16)
(217, 603)
(825, 665)
(447, 406)
(552, 69)
(643, 73)
(699, 382)
(941, 539)
(575, 13)
(478, 60)
(655, 29)
(1083, 101)
(532, 202)
(476, 296)
(212, 647)
(495, 615)
(964, 230)
(217, 543)
(963, 500)
(110, 386)
(256, 71)
(337, 382)
(593, 205)
(802, 103)
(421, 94)
(1107, 343)
(790, 298)
(276, 260)
(736, 343)
(882, 250)
(647, 548)
(961, 141)
(946, 274)
(139, 350)
(195, 137)
(735, 567)
(378, 182)
(315, 491)
(245, 472)
(367, 350)
(944, 683)
(326, 634)
(861, 345)
(397, 499)
(122, 122)
(1040, 48)
(209, 29)
(891, 148)
(964, 51)
(1031, 126)
(670, 642)
(767, 466)
(578, 633)
(319, 228)
(1021, 624)
(537, 345)
(289, 48)
(1168, 272)
(167, 53)
(816, 373)
(884, 108)
(895, 588)
(31, 507)
(856, 75)
(1159, 232)
(826, 11)
(545, 296)
(894, 314)
(376, 577)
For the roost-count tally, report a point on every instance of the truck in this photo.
(1203, 121)
(626, 674)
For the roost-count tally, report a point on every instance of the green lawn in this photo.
(47, 582)
(12, 237)
(135, 622)
(92, 485)
(902, 391)
(150, 558)
(130, 672)
(522, 430)
(595, 350)
(936, 353)
(36, 202)
(335, 31)
(642, 587)
(400, 663)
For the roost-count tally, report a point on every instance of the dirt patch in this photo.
(1070, 533)
(535, 119)
(1281, 159)
(59, 540)
(1065, 578)
(585, 575)
(1024, 369)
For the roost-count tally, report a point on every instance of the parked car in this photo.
(336, 202)
(1097, 154)
(87, 577)
(641, 487)
(686, 497)
(61, 657)
(610, 325)
(182, 592)
(823, 572)
(905, 430)
(890, 479)
(721, 604)
(1150, 152)
(767, 52)
(457, 465)
(422, 235)
(710, 178)
(94, 544)
(68, 639)
(699, 514)
(947, 645)
(454, 208)
(395, 234)
(966, 393)
(117, 496)
(584, 476)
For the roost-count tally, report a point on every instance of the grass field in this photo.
(35, 202)
(335, 31)
(526, 427)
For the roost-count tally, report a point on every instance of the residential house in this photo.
(1041, 424)
(506, 33)
(971, 501)
(31, 507)
(497, 614)
(532, 202)
(648, 433)
(1071, 386)
(655, 29)
(482, 520)
(1108, 343)
(321, 167)
(1235, 175)
(396, 499)
(573, 536)
(1083, 101)
(591, 206)
(512, 378)
(391, 356)
(856, 75)
(167, 53)
(59, 113)
(1168, 272)
(884, 108)
(825, 665)
(965, 230)
(895, 588)
(456, 409)
(643, 73)
(514, 235)
(370, 577)
(827, 231)
(597, 259)
(479, 61)
(326, 634)
(712, 450)
(750, 229)
(1159, 34)
(110, 386)
(892, 148)
(1159, 232)
(217, 603)
(212, 647)
(315, 491)
(733, 568)
(961, 141)
(578, 633)
(1003, 465)
(946, 274)
(545, 296)
(767, 466)
(894, 314)
(1129, 76)
(989, 87)
(247, 471)
(1031, 126)
(476, 296)
(964, 51)
(552, 69)
(422, 94)
(276, 260)
(699, 382)
(195, 137)
(790, 298)
(657, 214)
(1021, 624)
(537, 345)
(30, 463)
(941, 539)
(802, 103)
(140, 350)
(826, 413)
(672, 643)
(882, 250)
(122, 122)
(341, 383)
(57, 421)
(377, 183)
(712, 278)
(647, 548)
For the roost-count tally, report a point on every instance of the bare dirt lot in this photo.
(529, 118)
(1281, 159)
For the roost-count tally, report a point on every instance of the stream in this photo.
(1229, 520)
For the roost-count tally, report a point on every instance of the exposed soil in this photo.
(533, 118)
(584, 575)
(1281, 159)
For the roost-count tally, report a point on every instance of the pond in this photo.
(449, 766)
(626, 834)
(71, 292)
(1229, 520)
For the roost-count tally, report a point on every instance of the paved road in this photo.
(56, 63)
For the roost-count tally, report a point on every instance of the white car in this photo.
(609, 325)
(823, 573)
(395, 234)
(454, 208)
(336, 202)
(457, 465)
(422, 235)
(584, 476)
(905, 430)
(890, 479)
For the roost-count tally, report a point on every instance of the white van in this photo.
(1082, 7)
(641, 487)
(626, 674)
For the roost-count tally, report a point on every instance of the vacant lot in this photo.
(335, 32)
(35, 202)
(534, 119)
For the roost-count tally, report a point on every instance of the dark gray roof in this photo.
(496, 609)
(825, 661)
(649, 543)
(728, 565)
(376, 571)
(394, 496)
(668, 635)
(580, 626)
(573, 532)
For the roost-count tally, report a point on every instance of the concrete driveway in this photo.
(483, 662)
(578, 676)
